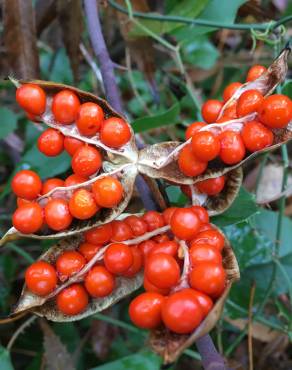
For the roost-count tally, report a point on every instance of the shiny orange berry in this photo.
(108, 191)
(211, 186)
(31, 98)
(255, 72)
(75, 180)
(69, 263)
(209, 278)
(51, 184)
(275, 111)
(57, 214)
(193, 128)
(118, 258)
(249, 102)
(65, 107)
(115, 132)
(184, 223)
(232, 147)
(41, 278)
(145, 310)
(72, 300)
(211, 109)
(99, 235)
(28, 219)
(230, 90)
(71, 145)
(205, 146)
(89, 119)
(153, 219)
(82, 204)
(99, 282)
(189, 164)
(137, 225)
(256, 136)
(89, 250)
(121, 231)
(86, 161)
(51, 142)
(26, 184)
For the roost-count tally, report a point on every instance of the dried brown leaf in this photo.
(71, 22)
(46, 12)
(56, 354)
(20, 38)
(141, 47)
(128, 175)
(170, 345)
(259, 331)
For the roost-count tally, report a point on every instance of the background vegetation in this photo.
(164, 70)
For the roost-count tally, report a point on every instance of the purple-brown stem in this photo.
(211, 359)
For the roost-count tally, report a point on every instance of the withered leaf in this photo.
(71, 22)
(128, 151)
(46, 12)
(56, 354)
(20, 38)
(169, 345)
(128, 176)
(141, 47)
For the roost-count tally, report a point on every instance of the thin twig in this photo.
(101, 52)
(19, 331)
(132, 83)
(250, 306)
(92, 64)
(203, 22)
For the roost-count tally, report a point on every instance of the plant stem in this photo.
(101, 52)
(210, 357)
(202, 22)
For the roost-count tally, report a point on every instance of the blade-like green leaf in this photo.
(8, 122)
(5, 361)
(142, 361)
(243, 207)
(166, 118)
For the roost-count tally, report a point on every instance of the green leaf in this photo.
(200, 52)
(253, 245)
(45, 166)
(222, 11)
(242, 208)
(142, 361)
(184, 8)
(219, 11)
(8, 122)
(287, 89)
(166, 118)
(5, 361)
(61, 71)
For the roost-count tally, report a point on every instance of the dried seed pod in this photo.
(170, 345)
(127, 174)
